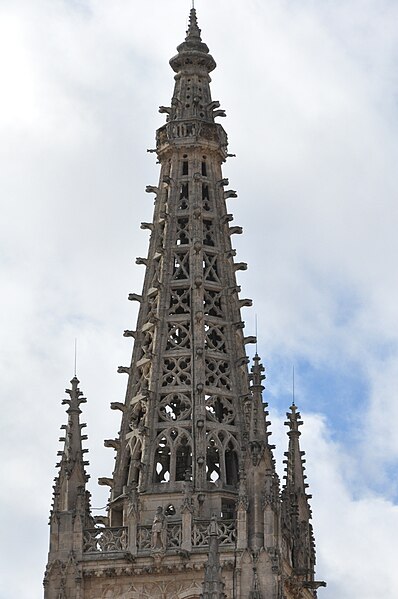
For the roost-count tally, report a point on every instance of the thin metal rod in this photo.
(75, 355)
(293, 387)
(255, 316)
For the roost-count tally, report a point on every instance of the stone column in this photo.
(241, 522)
(131, 511)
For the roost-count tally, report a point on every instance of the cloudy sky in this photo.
(311, 92)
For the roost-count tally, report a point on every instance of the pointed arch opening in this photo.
(162, 461)
(231, 465)
(183, 464)
(213, 462)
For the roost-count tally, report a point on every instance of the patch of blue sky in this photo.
(328, 389)
(81, 6)
(387, 484)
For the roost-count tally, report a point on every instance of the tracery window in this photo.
(222, 458)
(173, 456)
(162, 461)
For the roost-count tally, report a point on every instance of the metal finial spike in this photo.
(75, 357)
(255, 319)
(293, 388)
(193, 31)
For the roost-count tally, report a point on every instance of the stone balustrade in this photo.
(111, 540)
(105, 540)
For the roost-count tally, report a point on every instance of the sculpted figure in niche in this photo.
(159, 531)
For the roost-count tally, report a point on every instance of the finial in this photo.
(293, 387)
(75, 357)
(193, 43)
(255, 319)
(193, 27)
(293, 420)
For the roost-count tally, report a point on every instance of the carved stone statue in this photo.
(159, 531)
(138, 416)
(213, 525)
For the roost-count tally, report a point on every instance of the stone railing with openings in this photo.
(201, 529)
(105, 540)
(174, 537)
(111, 540)
(144, 538)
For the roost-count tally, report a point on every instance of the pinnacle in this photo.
(191, 47)
(213, 585)
(257, 370)
(72, 475)
(294, 421)
(296, 511)
(75, 396)
(258, 436)
(193, 29)
(295, 469)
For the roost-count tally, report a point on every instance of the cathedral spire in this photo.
(193, 439)
(183, 417)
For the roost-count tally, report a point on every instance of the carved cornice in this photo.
(178, 565)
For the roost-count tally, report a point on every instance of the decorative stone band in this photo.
(193, 130)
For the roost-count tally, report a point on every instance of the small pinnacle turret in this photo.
(295, 477)
(72, 477)
(255, 592)
(296, 511)
(193, 49)
(193, 32)
(258, 435)
(213, 585)
(71, 512)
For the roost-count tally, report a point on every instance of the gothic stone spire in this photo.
(183, 415)
(193, 440)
